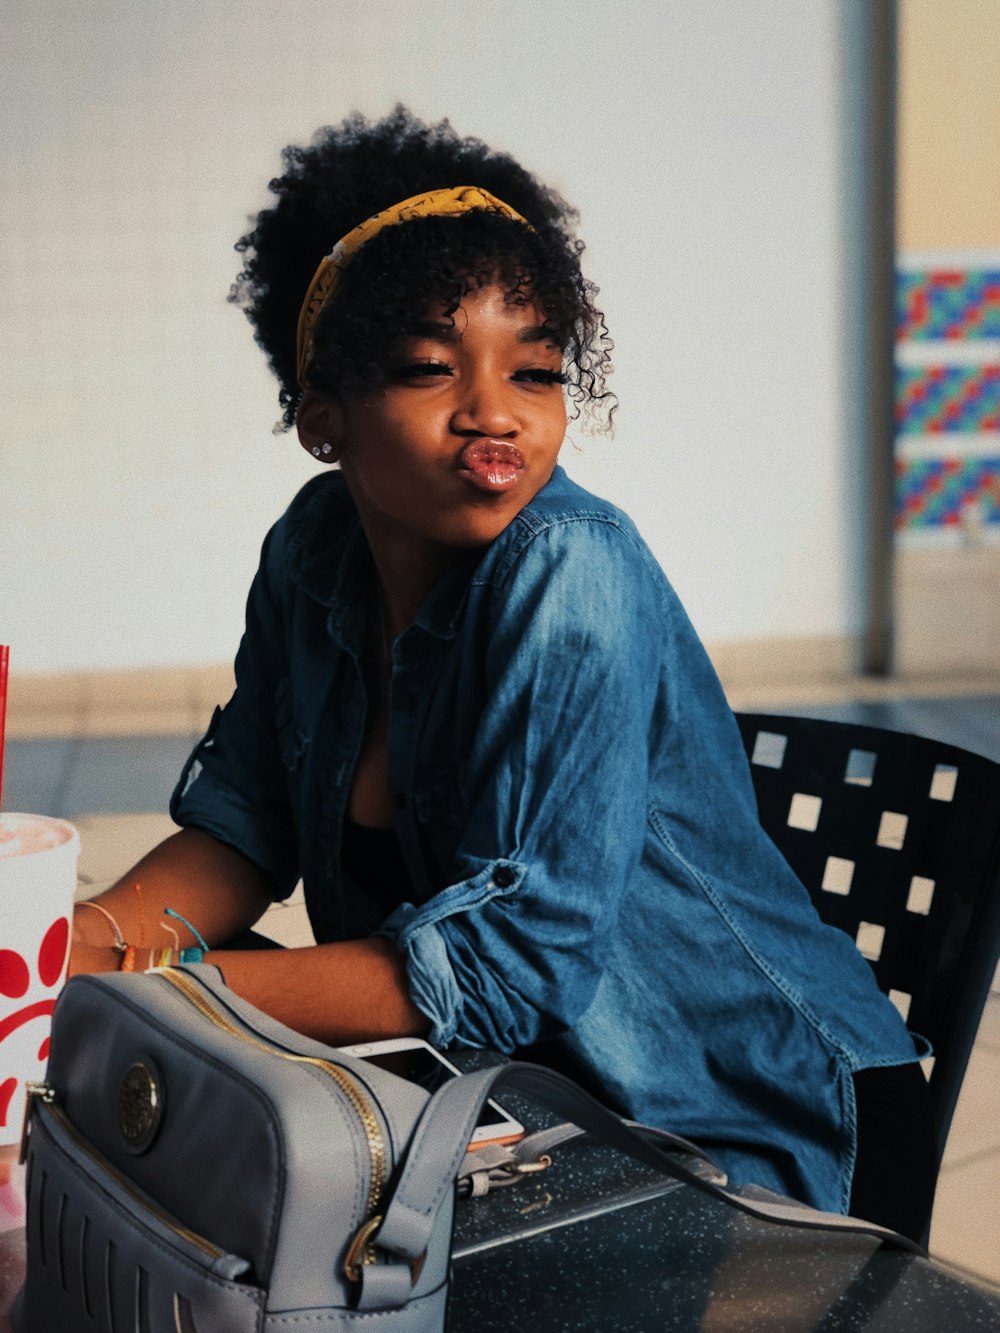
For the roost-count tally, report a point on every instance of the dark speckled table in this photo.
(599, 1242)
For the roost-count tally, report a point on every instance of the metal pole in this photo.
(881, 261)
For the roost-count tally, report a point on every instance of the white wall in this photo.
(704, 144)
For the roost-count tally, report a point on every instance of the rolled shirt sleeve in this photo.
(555, 791)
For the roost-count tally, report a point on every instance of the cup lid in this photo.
(27, 835)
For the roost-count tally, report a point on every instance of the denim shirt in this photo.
(575, 808)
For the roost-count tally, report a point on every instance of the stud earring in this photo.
(327, 449)
(315, 451)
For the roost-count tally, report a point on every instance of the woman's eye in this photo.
(539, 375)
(423, 370)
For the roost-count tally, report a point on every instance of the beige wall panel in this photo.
(949, 124)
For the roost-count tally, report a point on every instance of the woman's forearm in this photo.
(337, 993)
(346, 992)
(214, 887)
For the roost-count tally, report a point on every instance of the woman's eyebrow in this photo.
(536, 333)
(436, 331)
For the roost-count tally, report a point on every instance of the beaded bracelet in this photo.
(163, 957)
(157, 958)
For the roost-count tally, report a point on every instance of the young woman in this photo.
(473, 718)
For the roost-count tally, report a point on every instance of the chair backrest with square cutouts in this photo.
(897, 839)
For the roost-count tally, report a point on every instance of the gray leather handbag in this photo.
(195, 1167)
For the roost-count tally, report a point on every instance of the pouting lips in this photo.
(492, 463)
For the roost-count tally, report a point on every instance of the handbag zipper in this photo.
(357, 1100)
(41, 1092)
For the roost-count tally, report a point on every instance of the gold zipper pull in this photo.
(43, 1093)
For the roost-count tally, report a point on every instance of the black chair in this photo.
(897, 840)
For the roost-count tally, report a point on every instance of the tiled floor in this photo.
(115, 789)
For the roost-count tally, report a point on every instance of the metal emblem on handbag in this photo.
(140, 1105)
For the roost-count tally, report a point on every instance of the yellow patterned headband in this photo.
(432, 203)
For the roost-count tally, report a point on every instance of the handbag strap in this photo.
(441, 1138)
(497, 1165)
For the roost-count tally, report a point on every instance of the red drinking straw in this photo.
(4, 659)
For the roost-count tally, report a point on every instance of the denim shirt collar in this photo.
(340, 574)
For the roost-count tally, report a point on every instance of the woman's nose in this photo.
(485, 407)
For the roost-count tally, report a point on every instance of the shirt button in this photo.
(503, 877)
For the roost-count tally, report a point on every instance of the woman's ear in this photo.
(320, 425)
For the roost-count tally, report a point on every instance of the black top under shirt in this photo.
(371, 858)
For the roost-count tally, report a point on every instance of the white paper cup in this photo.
(38, 857)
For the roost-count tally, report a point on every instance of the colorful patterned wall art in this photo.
(948, 303)
(942, 492)
(948, 397)
(930, 399)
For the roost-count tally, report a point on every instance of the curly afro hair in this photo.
(353, 170)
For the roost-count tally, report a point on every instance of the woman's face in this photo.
(465, 433)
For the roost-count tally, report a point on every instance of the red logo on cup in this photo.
(15, 978)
